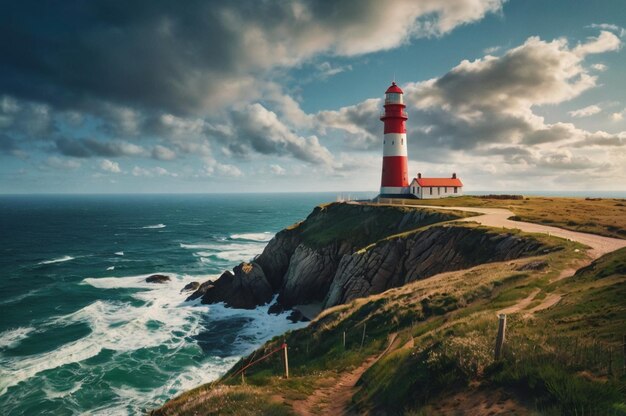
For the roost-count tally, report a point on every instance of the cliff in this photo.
(345, 251)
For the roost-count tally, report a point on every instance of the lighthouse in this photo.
(395, 176)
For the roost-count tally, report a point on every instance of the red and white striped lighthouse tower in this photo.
(395, 176)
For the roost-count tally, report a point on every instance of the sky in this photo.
(285, 96)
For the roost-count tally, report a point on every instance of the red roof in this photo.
(394, 88)
(439, 182)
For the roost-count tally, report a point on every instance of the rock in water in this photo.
(157, 278)
(191, 286)
(245, 289)
(200, 291)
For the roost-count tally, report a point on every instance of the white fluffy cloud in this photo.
(482, 111)
(259, 129)
(150, 172)
(277, 170)
(585, 111)
(109, 166)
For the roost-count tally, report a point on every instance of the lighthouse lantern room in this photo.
(395, 176)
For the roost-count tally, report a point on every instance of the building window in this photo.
(401, 141)
(455, 189)
(438, 191)
(431, 190)
(393, 142)
(445, 190)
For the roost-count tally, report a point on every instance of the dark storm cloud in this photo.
(185, 58)
(7, 144)
(84, 148)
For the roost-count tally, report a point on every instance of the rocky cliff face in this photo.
(395, 262)
(344, 251)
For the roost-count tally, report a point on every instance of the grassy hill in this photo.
(602, 216)
(427, 347)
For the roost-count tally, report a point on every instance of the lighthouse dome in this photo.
(394, 89)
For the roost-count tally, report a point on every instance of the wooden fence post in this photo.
(500, 336)
(344, 340)
(363, 337)
(286, 360)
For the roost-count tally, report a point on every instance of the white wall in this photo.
(437, 192)
(394, 144)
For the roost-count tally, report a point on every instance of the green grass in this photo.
(556, 362)
(362, 225)
(603, 216)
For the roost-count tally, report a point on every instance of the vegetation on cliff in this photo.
(345, 251)
(602, 216)
(559, 360)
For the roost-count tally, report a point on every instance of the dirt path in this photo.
(522, 304)
(549, 301)
(335, 400)
(499, 217)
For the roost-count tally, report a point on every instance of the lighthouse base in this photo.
(395, 191)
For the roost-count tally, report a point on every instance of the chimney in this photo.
(419, 175)
(454, 176)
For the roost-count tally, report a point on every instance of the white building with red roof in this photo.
(429, 188)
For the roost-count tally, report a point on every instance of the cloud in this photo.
(27, 119)
(606, 41)
(84, 148)
(481, 112)
(491, 100)
(585, 112)
(259, 129)
(608, 26)
(277, 170)
(599, 67)
(618, 116)
(204, 56)
(214, 168)
(62, 164)
(360, 121)
(163, 153)
(326, 69)
(492, 49)
(151, 172)
(109, 166)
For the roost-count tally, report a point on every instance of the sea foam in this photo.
(154, 226)
(125, 327)
(12, 337)
(59, 260)
(263, 237)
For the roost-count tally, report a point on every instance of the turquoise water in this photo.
(81, 331)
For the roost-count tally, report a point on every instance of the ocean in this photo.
(81, 332)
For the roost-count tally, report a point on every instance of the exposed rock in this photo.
(297, 316)
(276, 309)
(245, 289)
(533, 265)
(157, 278)
(395, 262)
(200, 291)
(191, 286)
(344, 251)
